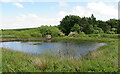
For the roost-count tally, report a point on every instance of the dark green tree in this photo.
(113, 23)
(93, 19)
(76, 28)
(68, 22)
(88, 25)
(88, 29)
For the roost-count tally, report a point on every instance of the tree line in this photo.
(88, 25)
(70, 23)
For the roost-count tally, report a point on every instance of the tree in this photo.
(88, 29)
(88, 25)
(118, 29)
(52, 30)
(68, 22)
(93, 19)
(113, 23)
(97, 30)
(36, 34)
(44, 30)
(76, 28)
(104, 26)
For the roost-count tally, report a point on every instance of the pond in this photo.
(54, 48)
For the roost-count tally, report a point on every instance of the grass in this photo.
(105, 59)
(78, 39)
(0, 60)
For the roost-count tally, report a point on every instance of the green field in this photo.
(104, 59)
(72, 28)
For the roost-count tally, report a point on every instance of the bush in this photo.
(94, 35)
(109, 35)
(62, 34)
(110, 32)
(84, 35)
(97, 30)
(104, 35)
(36, 34)
(51, 30)
(81, 33)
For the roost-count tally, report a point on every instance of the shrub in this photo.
(36, 34)
(51, 30)
(109, 35)
(81, 33)
(94, 35)
(110, 32)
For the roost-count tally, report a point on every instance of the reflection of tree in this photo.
(69, 50)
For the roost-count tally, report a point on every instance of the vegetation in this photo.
(34, 33)
(0, 60)
(105, 59)
(88, 25)
(70, 23)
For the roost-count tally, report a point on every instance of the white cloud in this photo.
(62, 13)
(117, 0)
(59, 0)
(63, 4)
(81, 11)
(28, 21)
(18, 5)
(103, 11)
(100, 10)
(21, 0)
(23, 17)
(5, 0)
(14, 0)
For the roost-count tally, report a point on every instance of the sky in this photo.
(34, 13)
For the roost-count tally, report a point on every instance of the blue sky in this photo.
(27, 14)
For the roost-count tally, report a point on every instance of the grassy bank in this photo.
(78, 39)
(105, 59)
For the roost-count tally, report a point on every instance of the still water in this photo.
(52, 48)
